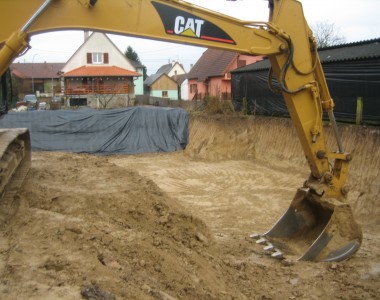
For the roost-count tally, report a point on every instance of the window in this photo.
(164, 93)
(97, 58)
(193, 88)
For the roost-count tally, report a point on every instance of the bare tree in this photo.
(105, 98)
(327, 34)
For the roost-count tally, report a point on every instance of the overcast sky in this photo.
(355, 20)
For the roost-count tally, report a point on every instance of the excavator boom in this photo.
(318, 219)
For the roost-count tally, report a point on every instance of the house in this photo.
(172, 69)
(211, 76)
(162, 86)
(99, 75)
(42, 79)
(352, 73)
(168, 82)
(183, 84)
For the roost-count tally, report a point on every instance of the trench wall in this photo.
(272, 140)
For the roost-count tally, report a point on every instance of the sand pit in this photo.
(176, 225)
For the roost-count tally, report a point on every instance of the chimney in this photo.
(86, 35)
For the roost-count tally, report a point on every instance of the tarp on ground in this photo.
(126, 131)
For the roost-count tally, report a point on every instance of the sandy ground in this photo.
(177, 225)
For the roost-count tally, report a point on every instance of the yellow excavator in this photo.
(319, 224)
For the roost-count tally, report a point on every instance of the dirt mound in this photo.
(176, 225)
(85, 221)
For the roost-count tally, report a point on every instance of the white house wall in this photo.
(98, 42)
(177, 68)
(185, 90)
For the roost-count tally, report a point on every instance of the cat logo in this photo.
(190, 27)
(185, 24)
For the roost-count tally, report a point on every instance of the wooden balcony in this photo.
(91, 89)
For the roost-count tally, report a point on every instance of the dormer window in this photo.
(97, 58)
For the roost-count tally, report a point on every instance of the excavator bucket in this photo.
(313, 229)
(15, 160)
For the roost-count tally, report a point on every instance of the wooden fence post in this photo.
(359, 110)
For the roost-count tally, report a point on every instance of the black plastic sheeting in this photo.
(126, 131)
(346, 81)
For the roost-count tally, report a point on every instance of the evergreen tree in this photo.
(132, 55)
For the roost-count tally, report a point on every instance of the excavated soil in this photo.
(177, 225)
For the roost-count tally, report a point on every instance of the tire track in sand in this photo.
(228, 195)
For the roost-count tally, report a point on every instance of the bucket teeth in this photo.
(262, 240)
(255, 236)
(277, 254)
(269, 247)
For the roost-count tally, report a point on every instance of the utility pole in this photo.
(33, 71)
(52, 84)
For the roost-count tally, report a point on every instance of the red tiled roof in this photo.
(92, 71)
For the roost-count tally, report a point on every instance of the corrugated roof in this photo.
(353, 51)
(37, 70)
(92, 71)
(346, 52)
(213, 62)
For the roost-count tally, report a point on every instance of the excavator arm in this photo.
(318, 224)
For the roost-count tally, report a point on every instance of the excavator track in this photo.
(15, 161)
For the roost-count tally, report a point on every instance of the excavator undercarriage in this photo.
(15, 148)
(15, 160)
